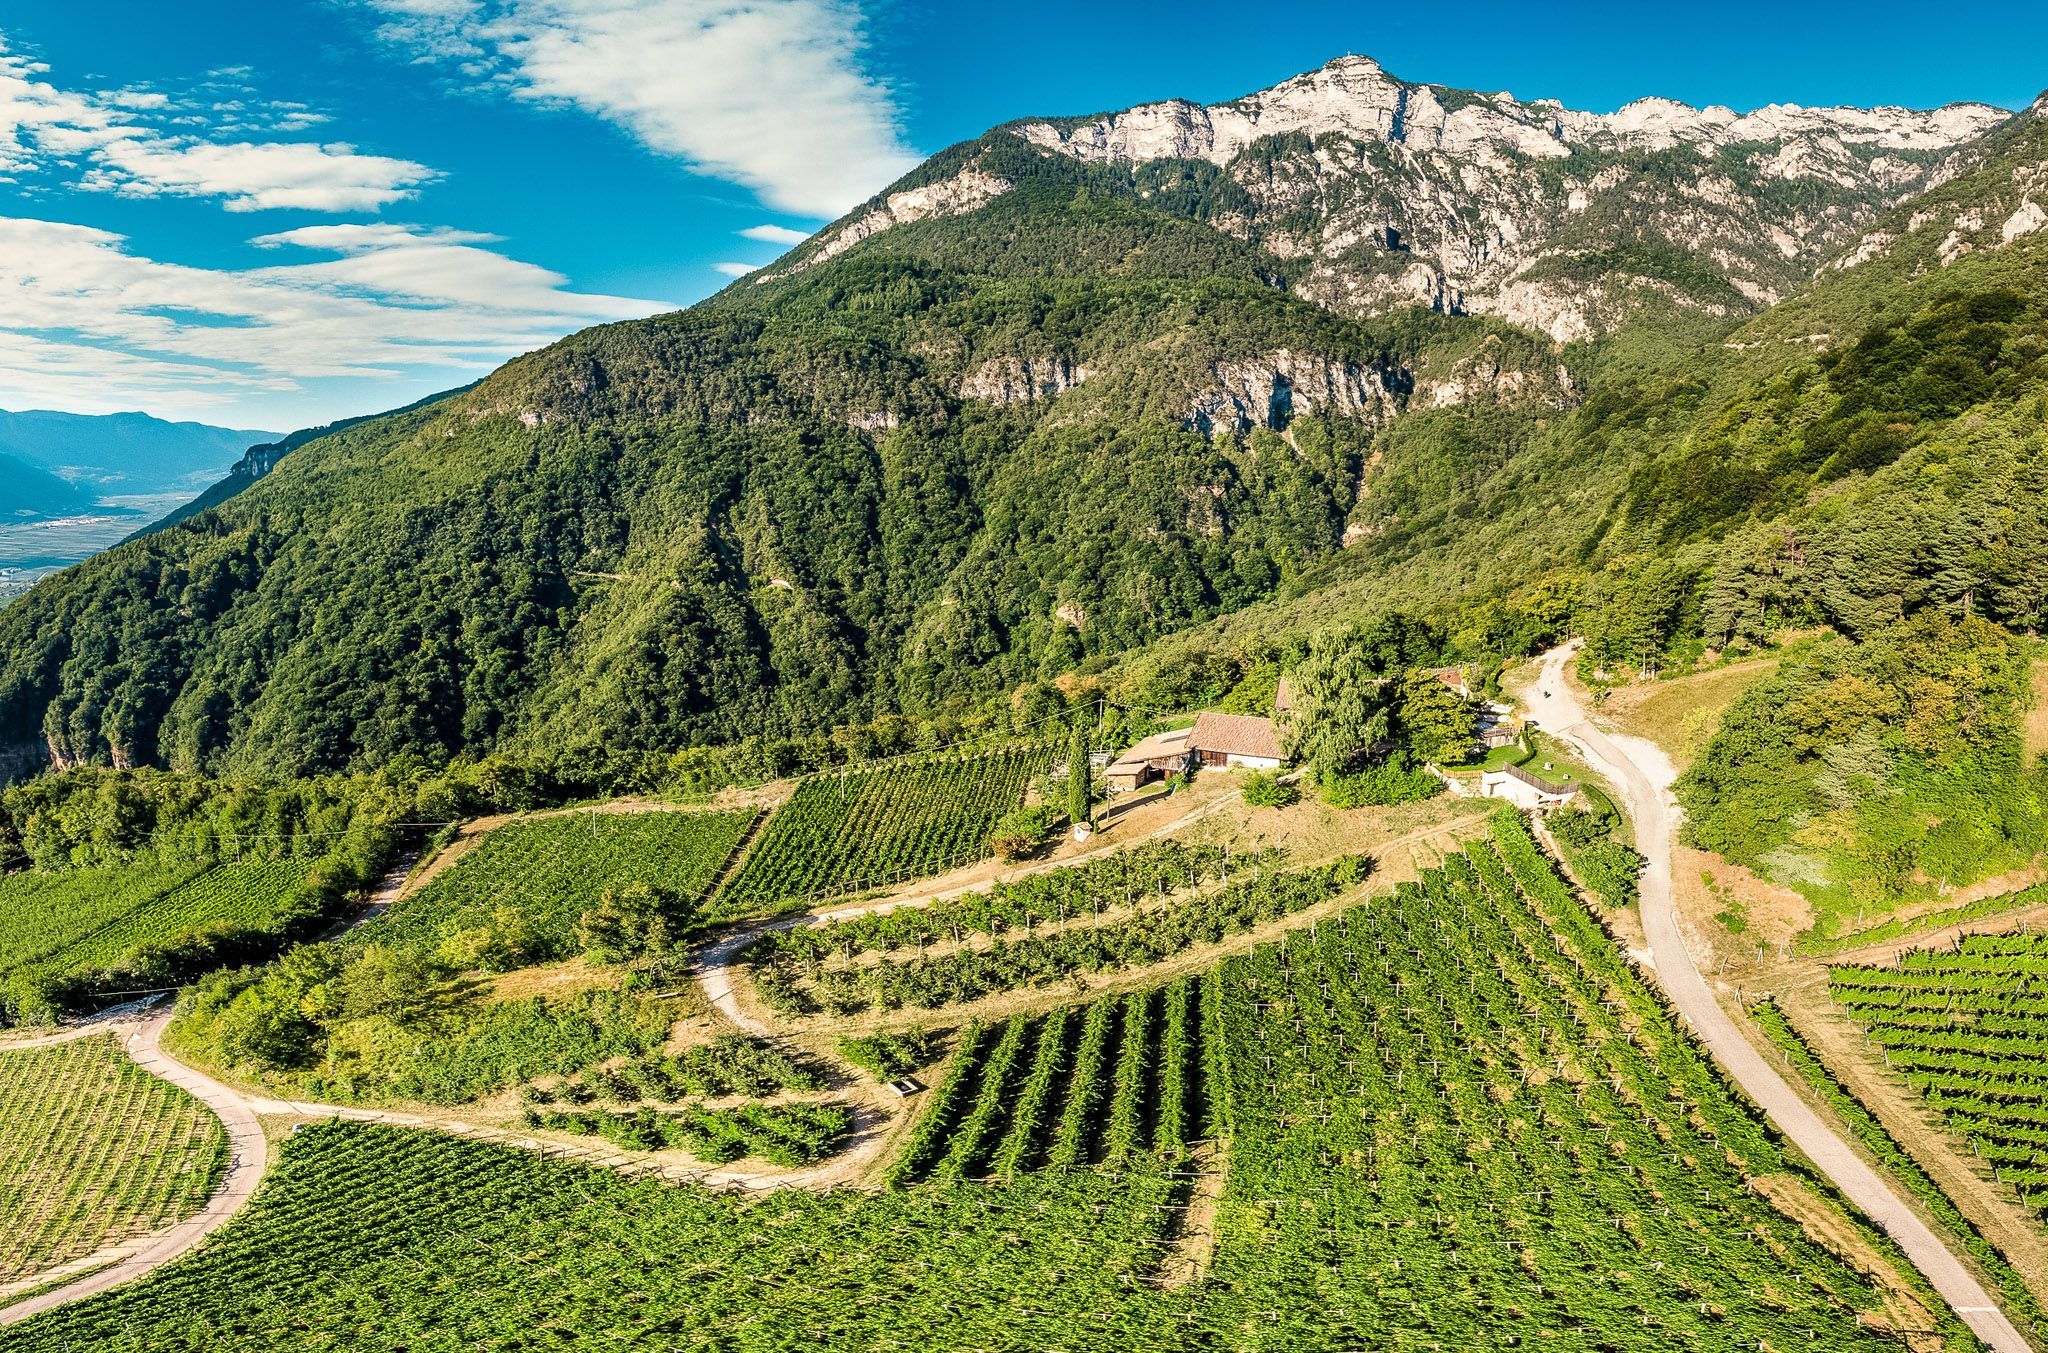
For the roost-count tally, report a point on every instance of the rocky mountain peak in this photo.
(1394, 193)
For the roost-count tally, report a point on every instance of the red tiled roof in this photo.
(1236, 735)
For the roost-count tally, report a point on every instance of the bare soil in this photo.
(1192, 1247)
(2034, 731)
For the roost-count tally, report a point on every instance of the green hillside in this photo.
(986, 448)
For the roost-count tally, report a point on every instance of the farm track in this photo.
(248, 1153)
(1645, 776)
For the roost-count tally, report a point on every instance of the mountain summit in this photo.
(1386, 193)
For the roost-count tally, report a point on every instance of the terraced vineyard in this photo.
(94, 1150)
(553, 869)
(1156, 905)
(1457, 1119)
(846, 831)
(1967, 1027)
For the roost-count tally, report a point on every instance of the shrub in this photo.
(1265, 789)
(887, 1056)
(1393, 782)
(1022, 831)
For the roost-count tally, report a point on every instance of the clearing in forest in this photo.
(94, 1150)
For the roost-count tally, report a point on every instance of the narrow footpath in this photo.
(1645, 775)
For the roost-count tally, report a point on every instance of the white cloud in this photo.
(124, 143)
(736, 269)
(766, 93)
(88, 324)
(251, 176)
(774, 234)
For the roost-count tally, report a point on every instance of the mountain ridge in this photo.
(998, 438)
(1386, 193)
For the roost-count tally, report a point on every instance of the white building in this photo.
(1524, 790)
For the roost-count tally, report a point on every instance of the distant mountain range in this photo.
(1140, 393)
(108, 455)
(29, 492)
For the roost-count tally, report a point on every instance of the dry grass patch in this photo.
(1679, 714)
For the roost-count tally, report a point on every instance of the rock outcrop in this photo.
(1268, 391)
(965, 191)
(1022, 380)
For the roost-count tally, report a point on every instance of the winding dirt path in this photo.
(1645, 775)
(248, 1153)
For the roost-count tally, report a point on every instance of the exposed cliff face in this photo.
(1397, 194)
(1020, 380)
(963, 192)
(1270, 390)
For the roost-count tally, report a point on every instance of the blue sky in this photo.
(272, 214)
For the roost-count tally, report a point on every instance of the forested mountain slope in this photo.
(1029, 409)
(1867, 448)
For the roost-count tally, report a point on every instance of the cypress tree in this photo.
(1077, 774)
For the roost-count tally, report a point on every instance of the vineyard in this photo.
(1457, 1119)
(1158, 908)
(2020, 1300)
(1967, 1027)
(852, 830)
(44, 911)
(94, 1150)
(732, 1064)
(1100, 1084)
(435, 1243)
(231, 896)
(550, 870)
(781, 1134)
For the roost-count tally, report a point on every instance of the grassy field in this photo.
(94, 1150)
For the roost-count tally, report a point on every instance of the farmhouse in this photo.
(1238, 741)
(1523, 790)
(1155, 758)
